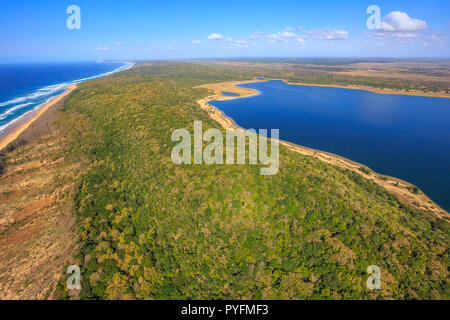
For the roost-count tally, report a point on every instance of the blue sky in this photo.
(35, 30)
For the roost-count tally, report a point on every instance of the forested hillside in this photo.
(149, 229)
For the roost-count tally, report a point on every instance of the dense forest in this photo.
(150, 229)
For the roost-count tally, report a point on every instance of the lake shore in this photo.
(402, 189)
(416, 93)
(22, 125)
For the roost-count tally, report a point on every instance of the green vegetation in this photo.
(414, 189)
(151, 229)
(374, 82)
(328, 71)
(2, 162)
(365, 170)
(328, 61)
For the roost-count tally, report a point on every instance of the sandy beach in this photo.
(11, 136)
(14, 130)
(396, 186)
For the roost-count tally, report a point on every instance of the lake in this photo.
(230, 94)
(407, 137)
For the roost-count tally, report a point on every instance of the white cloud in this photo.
(405, 35)
(102, 48)
(228, 42)
(215, 36)
(241, 41)
(398, 21)
(300, 41)
(281, 36)
(302, 36)
(399, 25)
(258, 35)
(328, 34)
(196, 42)
(235, 43)
(117, 46)
(286, 34)
(436, 38)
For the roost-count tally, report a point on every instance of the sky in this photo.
(37, 30)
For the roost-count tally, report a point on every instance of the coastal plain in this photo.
(141, 227)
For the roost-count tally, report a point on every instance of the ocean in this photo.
(26, 87)
(407, 137)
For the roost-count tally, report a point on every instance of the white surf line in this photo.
(3, 127)
(52, 89)
(11, 110)
(47, 90)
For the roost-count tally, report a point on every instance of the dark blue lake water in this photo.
(230, 94)
(25, 87)
(406, 137)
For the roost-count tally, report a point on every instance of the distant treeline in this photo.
(326, 71)
(332, 61)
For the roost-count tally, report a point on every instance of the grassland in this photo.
(149, 229)
(410, 76)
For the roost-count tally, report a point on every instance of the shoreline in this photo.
(25, 123)
(396, 186)
(14, 130)
(131, 65)
(402, 92)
